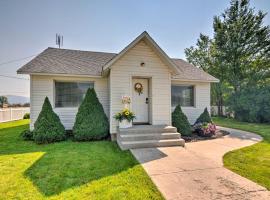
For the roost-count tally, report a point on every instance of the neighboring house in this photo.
(64, 76)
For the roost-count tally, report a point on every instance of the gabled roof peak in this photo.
(150, 41)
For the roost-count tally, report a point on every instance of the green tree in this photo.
(48, 127)
(238, 54)
(3, 100)
(91, 121)
(243, 44)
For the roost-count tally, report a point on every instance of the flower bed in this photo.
(194, 137)
(205, 129)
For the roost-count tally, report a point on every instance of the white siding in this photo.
(121, 83)
(42, 86)
(202, 99)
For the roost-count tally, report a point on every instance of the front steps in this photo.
(146, 136)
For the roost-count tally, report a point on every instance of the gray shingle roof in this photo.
(190, 72)
(76, 62)
(66, 61)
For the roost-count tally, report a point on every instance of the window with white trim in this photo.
(70, 94)
(183, 95)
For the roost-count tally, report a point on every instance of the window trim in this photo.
(194, 94)
(67, 81)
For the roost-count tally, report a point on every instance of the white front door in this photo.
(140, 100)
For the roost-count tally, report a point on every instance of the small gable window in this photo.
(70, 94)
(183, 95)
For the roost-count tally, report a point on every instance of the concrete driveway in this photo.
(197, 172)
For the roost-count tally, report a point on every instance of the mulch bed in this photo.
(195, 138)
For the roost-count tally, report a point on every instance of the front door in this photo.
(140, 100)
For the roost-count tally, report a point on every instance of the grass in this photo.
(68, 170)
(252, 162)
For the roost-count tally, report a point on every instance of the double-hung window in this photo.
(70, 94)
(182, 95)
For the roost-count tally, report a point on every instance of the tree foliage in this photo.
(252, 104)
(91, 121)
(3, 100)
(48, 127)
(180, 121)
(243, 44)
(238, 55)
(204, 117)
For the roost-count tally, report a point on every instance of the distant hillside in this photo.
(13, 99)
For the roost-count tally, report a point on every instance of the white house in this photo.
(64, 76)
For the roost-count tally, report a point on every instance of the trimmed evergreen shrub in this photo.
(180, 121)
(27, 135)
(48, 127)
(91, 121)
(204, 117)
(26, 116)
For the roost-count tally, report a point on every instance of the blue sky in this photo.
(27, 27)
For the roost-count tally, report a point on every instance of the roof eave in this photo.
(58, 74)
(197, 80)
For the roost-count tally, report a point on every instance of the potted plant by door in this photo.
(125, 118)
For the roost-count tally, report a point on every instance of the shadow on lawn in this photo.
(68, 164)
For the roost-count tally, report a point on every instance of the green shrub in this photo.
(48, 127)
(180, 121)
(91, 121)
(27, 135)
(26, 116)
(251, 104)
(204, 117)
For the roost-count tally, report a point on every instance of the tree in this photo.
(242, 43)
(3, 100)
(180, 121)
(238, 54)
(48, 127)
(91, 121)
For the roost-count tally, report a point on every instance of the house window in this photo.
(70, 94)
(183, 95)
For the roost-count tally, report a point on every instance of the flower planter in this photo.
(125, 124)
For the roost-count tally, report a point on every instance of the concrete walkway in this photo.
(197, 172)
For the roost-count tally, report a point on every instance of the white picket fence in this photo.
(11, 114)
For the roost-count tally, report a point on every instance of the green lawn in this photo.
(68, 170)
(252, 162)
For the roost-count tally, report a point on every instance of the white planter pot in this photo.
(125, 124)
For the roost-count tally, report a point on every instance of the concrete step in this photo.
(124, 145)
(147, 136)
(149, 129)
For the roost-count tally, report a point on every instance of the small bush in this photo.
(27, 135)
(204, 117)
(91, 121)
(26, 116)
(48, 127)
(180, 121)
(205, 129)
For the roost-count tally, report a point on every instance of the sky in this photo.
(27, 27)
